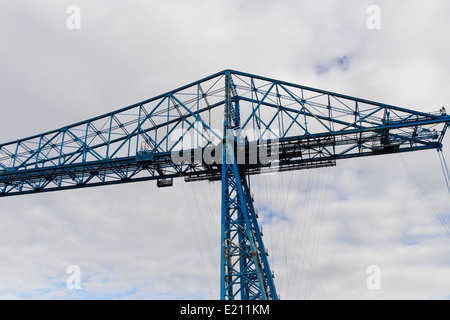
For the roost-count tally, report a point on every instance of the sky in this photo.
(324, 228)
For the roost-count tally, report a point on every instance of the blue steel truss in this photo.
(245, 271)
(228, 117)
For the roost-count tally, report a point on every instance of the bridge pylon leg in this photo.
(245, 271)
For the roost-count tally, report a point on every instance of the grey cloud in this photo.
(322, 228)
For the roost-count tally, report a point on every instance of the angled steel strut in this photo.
(225, 127)
(245, 270)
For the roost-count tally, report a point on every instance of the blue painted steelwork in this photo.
(228, 115)
(245, 271)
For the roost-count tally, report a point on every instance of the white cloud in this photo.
(138, 241)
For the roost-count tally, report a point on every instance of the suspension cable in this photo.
(444, 168)
(426, 197)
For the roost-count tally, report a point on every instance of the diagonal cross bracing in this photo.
(219, 128)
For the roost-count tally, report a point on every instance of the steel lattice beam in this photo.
(214, 129)
(108, 149)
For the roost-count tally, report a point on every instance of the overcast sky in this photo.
(323, 228)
